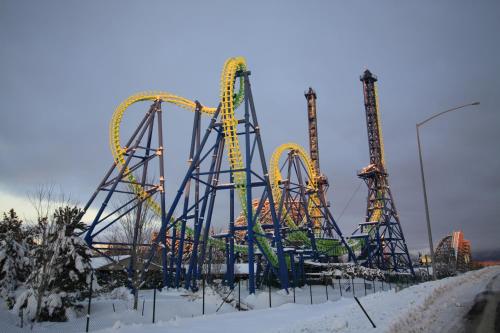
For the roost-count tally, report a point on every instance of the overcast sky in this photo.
(65, 66)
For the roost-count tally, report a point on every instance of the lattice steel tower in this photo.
(313, 127)
(384, 243)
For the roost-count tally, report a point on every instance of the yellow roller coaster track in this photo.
(276, 178)
(229, 101)
(328, 246)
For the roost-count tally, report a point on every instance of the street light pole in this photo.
(429, 232)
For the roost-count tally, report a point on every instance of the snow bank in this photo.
(423, 308)
(420, 317)
(408, 310)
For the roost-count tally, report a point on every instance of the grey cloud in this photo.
(66, 65)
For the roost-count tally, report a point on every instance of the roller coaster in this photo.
(453, 254)
(285, 217)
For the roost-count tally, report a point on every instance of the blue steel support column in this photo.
(165, 227)
(249, 208)
(187, 190)
(195, 263)
(163, 234)
(231, 233)
(216, 173)
(283, 272)
(200, 214)
(133, 259)
(197, 219)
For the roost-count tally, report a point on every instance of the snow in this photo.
(239, 269)
(79, 264)
(73, 276)
(436, 306)
(98, 262)
(13, 263)
(30, 311)
(442, 309)
(122, 293)
(54, 301)
(3, 253)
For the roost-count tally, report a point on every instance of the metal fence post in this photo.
(239, 294)
(364, 283)
(326, 289)
(21, 315)
(90, 301)
(269, 293)
(340, 288)
(154, 304)
(203, 288)
(310, 292)
(352, 281)
(366, 314)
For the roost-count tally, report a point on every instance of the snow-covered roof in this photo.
(239, 269)
(99, 262)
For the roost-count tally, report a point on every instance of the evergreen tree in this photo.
(62, 268)
(11, 223)
(14, 264)
(73, 259)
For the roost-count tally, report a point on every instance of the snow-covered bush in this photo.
(122, 293)
(348, 270)
(53, 306)
(28, 303)
(13, 265)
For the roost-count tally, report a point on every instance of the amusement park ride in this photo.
(285, 217)
(383, 241)
(453, 254)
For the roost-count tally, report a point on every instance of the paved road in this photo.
(484, 316)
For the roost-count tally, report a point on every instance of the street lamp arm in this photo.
(445, 111)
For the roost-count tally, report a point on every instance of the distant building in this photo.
(486, 263)
(452, 255)
(425, 260)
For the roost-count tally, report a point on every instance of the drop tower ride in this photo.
(312, 119)
(384, 245)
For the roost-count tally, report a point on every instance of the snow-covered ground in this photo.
(437, 306)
